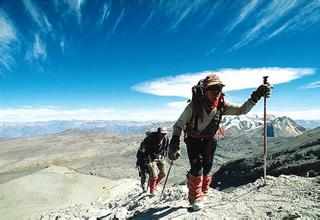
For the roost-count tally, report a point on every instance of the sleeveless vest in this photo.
(211, 129)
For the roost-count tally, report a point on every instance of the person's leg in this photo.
(162, 172)
(194, 147)
(143, 171)
(194, 154)
(153, 176)
(208, 154)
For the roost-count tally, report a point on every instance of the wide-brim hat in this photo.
(212, 80)
(162, 130)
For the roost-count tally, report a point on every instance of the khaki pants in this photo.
(157, 168)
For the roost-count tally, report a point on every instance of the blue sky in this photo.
(137, 59)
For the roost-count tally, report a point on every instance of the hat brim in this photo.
(215, 84)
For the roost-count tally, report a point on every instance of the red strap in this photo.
(219, 100)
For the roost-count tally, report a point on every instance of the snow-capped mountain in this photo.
(253, 125)
(285, 127)
(241, 122)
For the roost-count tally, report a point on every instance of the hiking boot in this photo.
(153, 184)
(206, 184)
(160, 177)
(195, 188)
(143, 187)
(196, 205)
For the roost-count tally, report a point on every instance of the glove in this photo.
(174, 155)
(174, 148)
(263, 90)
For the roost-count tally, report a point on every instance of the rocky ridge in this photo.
(284, 197)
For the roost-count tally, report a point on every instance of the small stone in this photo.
(269, 214)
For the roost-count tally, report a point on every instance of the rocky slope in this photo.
(54, 187)
(88, 152)
(296, 155)
(284, 197)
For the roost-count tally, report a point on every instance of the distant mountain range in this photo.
(233, 126)
(30, 129)
(309, 124)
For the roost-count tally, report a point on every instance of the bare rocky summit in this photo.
(284, 197)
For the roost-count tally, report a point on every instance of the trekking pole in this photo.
(148, 183)
(265, 81)
(165, 182)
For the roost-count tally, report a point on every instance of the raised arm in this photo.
(248, 105)
(231, 109)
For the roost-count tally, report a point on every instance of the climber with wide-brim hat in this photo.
(200, 121)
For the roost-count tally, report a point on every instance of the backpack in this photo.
(197, 104)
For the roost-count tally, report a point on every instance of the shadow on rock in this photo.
(156, 213)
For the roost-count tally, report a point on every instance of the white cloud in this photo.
(30, 114)
(38, 50)
(116, 24)
(105, 13)
(8, 39)
(75, 7)
(62, 45)
(275, 11)
(211, 12)
(148, 19)
(313, 85)
(235, 79)
(38, 16)
(308, 15)
(182, 16)
(178, 11)
(245, 11)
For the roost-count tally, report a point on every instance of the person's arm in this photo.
(261, 91)
(230, 109)
(166, 146)
(184, 118)
(138, 158)
(174, 145)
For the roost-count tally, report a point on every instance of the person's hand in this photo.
(174, 143)
(263, 90)
(174, 148)
(174, 155)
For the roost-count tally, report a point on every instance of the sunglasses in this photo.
(215, 88)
